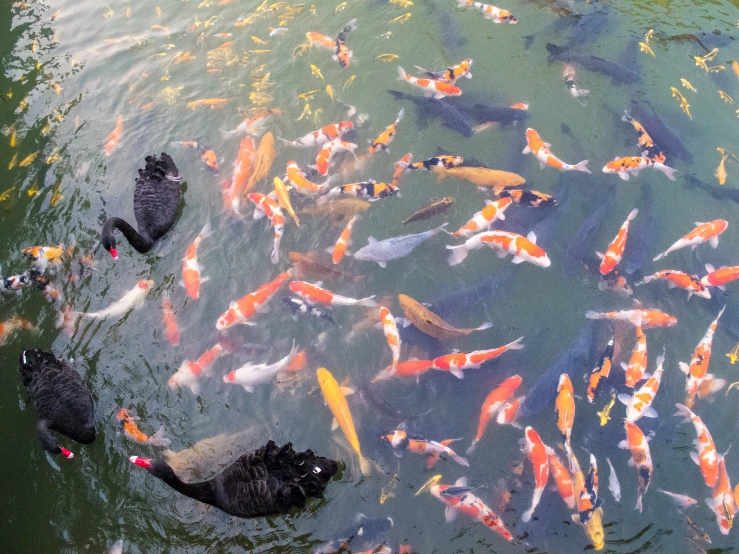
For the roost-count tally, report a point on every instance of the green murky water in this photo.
(63, 85)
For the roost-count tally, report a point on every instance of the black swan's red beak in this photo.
(114, 254)
(66, 453)
(141, 462)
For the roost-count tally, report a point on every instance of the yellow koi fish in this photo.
(387, 57)
(721, 170)
(349, 81)
(687, 85)
(605, 415)
(330, 91)
(401, 18)
(283, 199)
(28, 160)
(725, 97)
(316, 72)
(644, 47)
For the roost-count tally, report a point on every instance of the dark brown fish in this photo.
(308, 266)
(431, 210)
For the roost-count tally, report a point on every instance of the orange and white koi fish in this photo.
(170, 322)
(11, 325)
(399, 440)
(589, 500)
(114, 138)
(704, 232)
(400, 167)
(189, 373)
(300, 184)
(645, 141)
(648, 318)
(564, 412)
(697, 371)
(132, 432)
(509, 414)
(459, 498)
(615, 251)
(707, 457)
(343, 55)
(541, 152)
(637, 366)
(322, 136)
(447, 162)
(680, 499)
(528, 198)
(720, 277)
(599, 374)
(243, 166)
(368, 190)
(681, 280)
(335, 397)
(641, 458)
(562, 478)
(339, 250)
(569, 75)
(523, 249)
(271, 209)
(250, 374)
(321, 40)
(328, 151)
(494, 403)
(191, 278)
(242, 311)
(537, 453)
(437, 89)
(491, 12)
(456, 362)
(483, 219)
(624, 167)
(409, 368)
(722, 501)
(252, 125)
(383, 141)
(314, 294)
(450, 74)
(640, 405)
(42, 256)
(391, 333)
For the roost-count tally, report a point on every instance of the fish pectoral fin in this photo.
(630, 462)
(371, 240)
(346, 391)
(542, 165)
(263, 308)
(623, 175)
(526, 150)
(383, 265)
(685, 368)
(431, 460)
(624, 399)
(334, 424)
(650, 412)
(457, 373)
(695, 458)
(204, 279)
(249, 388)
(623, 445)
(398, 452)
(517, 260)
(449, 514)
(713, 242)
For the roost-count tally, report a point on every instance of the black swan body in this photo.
(270, 480)
(156, 201)
(61, 398)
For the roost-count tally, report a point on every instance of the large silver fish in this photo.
(381, 251)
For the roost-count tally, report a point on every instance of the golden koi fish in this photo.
(721, 170)
(263, 159)
(212, 102)
(431, 324)
(684, 106)
(687, 85)
(481, 176)
(401, 18)
(283, 199)
(28, 160)
(605, 414)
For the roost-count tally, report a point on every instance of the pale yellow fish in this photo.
(283, 199)
(305, 113)
(262, 6)
(263, 83)
(340, 7)
(205, 4)
(33, 189)
(734, 354)
(46, 129)
(128, 13)
(56, 87)
(53, 157)
(257, 39)
(180, 57)
(715, 68)
(306, 95)
(5, 195)
(23, 104)
(259, 51)
(260, 98)
(401, 18)
(330, 91)
(649, 35)
(55, 14)
(108, 12)
(13, 138)
(402, 3)
(256, 73)
(34, 44)
(735, 67)
(644, 47)
(349, 81)
(56, 196)
(316, 72)
(157, 56)
(386, 35)
(387, 57)
(312, 9)
(725, 97)
(211, 21)
(317, 116)
(683, 102)
(721, 169)
(28, 160)
(687, 85)
(13, 161)
(301, 49)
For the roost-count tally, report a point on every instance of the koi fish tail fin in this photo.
(684, 412)
(633, 214)
(638, 504)
(595, 315)
(67, 319)
(421, 70)
(460, 460)
(647, 279)
(659, 256)
(459, 253)
(526, 516)
(554, 50)
(364, 465)
(288, 142)
(368, 302)
(275, 258)
(472, 447)
(401, 74)
(626, 117)
(401, 113)
(351, 26)
(158, 438)
(486, 325)
(207, 230)
(462, 3)
(669, 171)
(515, 345)
(582, 166)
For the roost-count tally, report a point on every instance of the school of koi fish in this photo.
(325, 176)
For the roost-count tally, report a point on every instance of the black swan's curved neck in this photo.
(48, 441)
(204, 491)
(141, 243)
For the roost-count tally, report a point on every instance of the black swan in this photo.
(270, 480)
(61, 398)
(156, 201)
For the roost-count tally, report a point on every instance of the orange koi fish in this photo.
(697, 371)
(191, 278)
(589, 501)
(720, 277)
(11, 325)
(483, 220)
(564, 411)
(459, 498)
(391, 333)
(189, 373)
(322, 135)
(509, 414)
(328, 151)
(537, 453)
(641, 458)
(132, 432)
(624, 167)
(339, 250)
(562, 478)
(707, 457)
(541, 151)
(447, 162)
(321, 40)
(498, 15)
(170, 322)
(437, 89)
(208, 156)
(368, 190)
(243, 166)
(681, 280)
(114, 138)
(298, 181)
(638, 361)
(494, 403)
(523, 249)
(265, 205)
(399, 440)
(42, 256)
(640, 405)
(646, 143)
(456, 362)
(400, 166)
(450, 74)
(615, 250)
(410, 368)
(242, 311)
(314, 294)
(722, 501)
(600, 372)
(649, 318)
(383, 141)
(704, 232)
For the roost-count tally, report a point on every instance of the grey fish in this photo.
(428, 108)
(381, 251)
(614, 70)
(670, 142)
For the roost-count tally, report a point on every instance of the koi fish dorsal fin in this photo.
(532, 237)
(461, 482)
